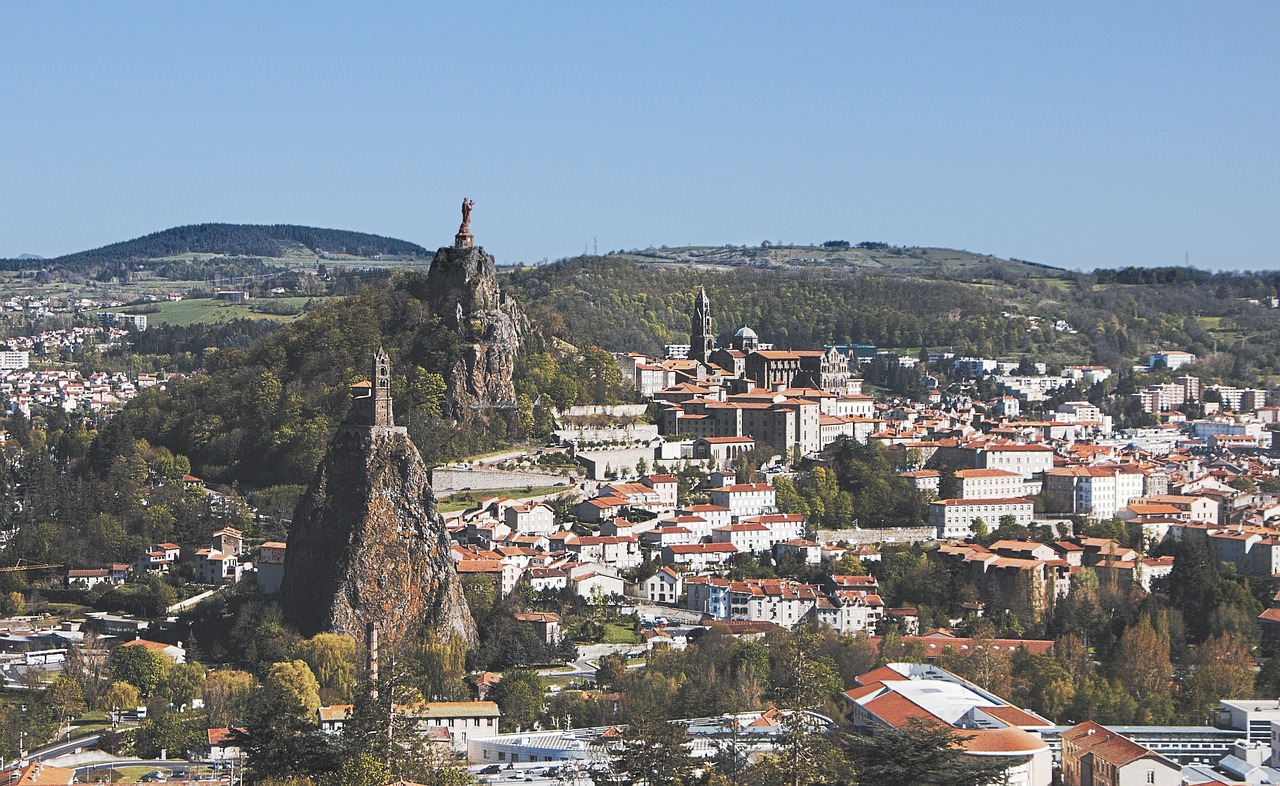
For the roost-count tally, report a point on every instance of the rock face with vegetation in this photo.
(367, 543)
(463, 288)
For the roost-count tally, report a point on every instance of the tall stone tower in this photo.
(371, 401)
(382, 415)
(701, 339)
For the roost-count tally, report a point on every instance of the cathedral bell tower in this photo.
(702, 341)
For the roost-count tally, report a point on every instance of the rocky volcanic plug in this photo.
(367, 543)
(463, 287)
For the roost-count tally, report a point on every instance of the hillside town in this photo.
(689, 525)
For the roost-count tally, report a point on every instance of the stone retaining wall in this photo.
(445, 480)
(865, 537)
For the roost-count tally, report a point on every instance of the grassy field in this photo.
(134, 774)
(192, 311)
(91, 722)
(455, 503)
(618, 633)
(309, 262)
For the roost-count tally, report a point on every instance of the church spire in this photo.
(701, 339)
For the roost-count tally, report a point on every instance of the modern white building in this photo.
(745, 499)
(751, 733)
(993, 484)
(11, 360)
(1026, 460)
(461, 721)
(892, 695)
(1099, 492)
(953, 518)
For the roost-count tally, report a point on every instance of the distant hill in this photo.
(251, 240)
(958, 302)
(869, 256)
(624, 303)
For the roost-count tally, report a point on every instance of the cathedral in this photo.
(758, 365)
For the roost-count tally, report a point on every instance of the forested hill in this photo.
(840, 254)
(623, 303)
(263, 415)
(255, 240)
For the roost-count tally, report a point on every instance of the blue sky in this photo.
(1079, 134)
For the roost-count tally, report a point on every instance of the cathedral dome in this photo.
(745, 332)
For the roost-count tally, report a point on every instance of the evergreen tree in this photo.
(651, 752)
(921, 752)
(804, 682)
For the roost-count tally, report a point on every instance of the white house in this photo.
(1100, 492)
(808, 552)
(220, 749)
(159, 557)
(991, 484)
(666, 487)
(699, 556)
(90, 578)
(665, 586)
(1026, 460)
(532, 518)
(754, 538)
(552, 579)
(460, 720)
(780, 601)
(782, 526)
(617, 551)
(216, 567)
(714, 515)
(669, 533)
(590, 579)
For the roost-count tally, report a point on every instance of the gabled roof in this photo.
(1108, 746)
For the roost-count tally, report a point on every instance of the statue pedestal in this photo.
(463, 240)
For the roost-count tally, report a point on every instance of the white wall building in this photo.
(992, 484)
(745, 499)
(953, 518)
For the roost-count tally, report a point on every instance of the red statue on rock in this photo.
(464, 239)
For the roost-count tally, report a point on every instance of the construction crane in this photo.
(29, 566)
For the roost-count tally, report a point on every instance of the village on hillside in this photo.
(678, 518)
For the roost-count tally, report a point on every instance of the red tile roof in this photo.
(895, 710)
(1011, 741)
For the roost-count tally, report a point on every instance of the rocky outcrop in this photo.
(463, 288)
(367, 543)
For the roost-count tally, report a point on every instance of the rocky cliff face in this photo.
(463, 287)
(368, 544)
